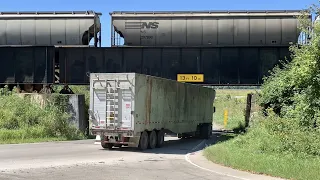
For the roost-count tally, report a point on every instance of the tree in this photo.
(294, 89)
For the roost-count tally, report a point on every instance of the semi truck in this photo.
(136, 110)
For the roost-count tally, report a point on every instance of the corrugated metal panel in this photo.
(148, 38)
(135, 34)
(45, 29)
(152, 62)
(133, 60)
(94, 58)
(168, 104)
(249, 65)
(241, 33)
(225, 29)
(171, 62)
(30, 27)
(210, 32)
(229, 66)
(257, 31)
(164, 33)
(27, 65)
(32, 14)
(269, 58)
(179, 32)
(211, 65)
(114, 60)
(77, 63)
(194, 32)
(216, 13)
(273, 31)
(207, 31)
(219, 65)
(13, 32)
(289, 31)
(72, 66)
(190, 61)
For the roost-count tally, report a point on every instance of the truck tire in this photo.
(106, 145)
(118, 145)
(144, 141)
(160, 139)
(206, 131)
(152, 140)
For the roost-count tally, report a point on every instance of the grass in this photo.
(234, 101)
(233, 92)
(274, 146)
(281, 165)
(285, 165)
(23, 122)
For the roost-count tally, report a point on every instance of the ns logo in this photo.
(149, 25)
(141, 25)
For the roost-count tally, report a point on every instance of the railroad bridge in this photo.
(228, 47)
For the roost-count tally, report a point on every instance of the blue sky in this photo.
(106, 6)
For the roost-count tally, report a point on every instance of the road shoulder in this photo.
(198, 159)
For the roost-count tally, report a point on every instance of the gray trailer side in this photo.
(136, 110)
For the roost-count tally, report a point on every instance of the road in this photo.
(83, 160)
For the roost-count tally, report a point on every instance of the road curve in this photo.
(83, 160)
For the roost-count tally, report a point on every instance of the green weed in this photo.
(23, 121)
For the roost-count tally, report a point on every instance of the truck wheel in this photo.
(152, 139)
(160, 138)
(118, 145)
(110, 146)
(106, 145)
(143, 142)
(206, 130)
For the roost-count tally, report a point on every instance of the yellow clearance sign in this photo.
(190, 77)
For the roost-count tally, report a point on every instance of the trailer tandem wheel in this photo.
(206, 130)
(144, 140)
(106, 145)
(160, 138)
(152, 139)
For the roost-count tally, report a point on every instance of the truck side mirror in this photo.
(214, 109)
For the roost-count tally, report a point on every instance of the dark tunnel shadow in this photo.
(174, 145)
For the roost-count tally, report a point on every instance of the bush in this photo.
(286, 141)
(280, 135)
(293, 91)
(21, 119)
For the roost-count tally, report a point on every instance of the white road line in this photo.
(186, 157)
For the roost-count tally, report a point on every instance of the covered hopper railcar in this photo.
(72, 28)
(205, 28)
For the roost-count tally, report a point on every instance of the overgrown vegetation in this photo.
(234, 101)
(284, 141)
(24, 121)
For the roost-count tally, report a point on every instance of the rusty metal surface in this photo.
(238, 65)
(27, 65)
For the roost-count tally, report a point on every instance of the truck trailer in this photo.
(136, 110)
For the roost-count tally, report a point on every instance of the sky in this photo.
(106, 6)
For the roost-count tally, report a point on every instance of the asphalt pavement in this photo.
(83, 160)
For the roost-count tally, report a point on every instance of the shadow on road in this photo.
(181, 146)
(221, 136)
